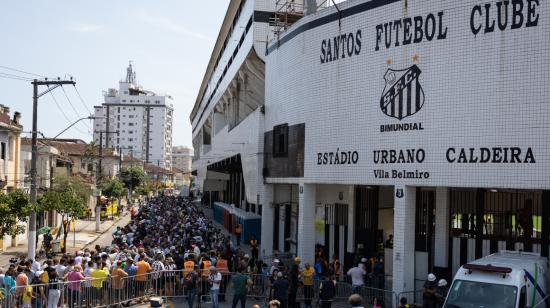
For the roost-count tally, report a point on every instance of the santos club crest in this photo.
(403, 96)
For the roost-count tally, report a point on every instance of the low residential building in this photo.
(10, 150)
(11, 177)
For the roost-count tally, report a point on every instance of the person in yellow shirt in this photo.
(99, 275)
(307, 278)
(27, 297)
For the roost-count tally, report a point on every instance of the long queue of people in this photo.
(169, 249)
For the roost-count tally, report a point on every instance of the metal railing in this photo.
(116, 290)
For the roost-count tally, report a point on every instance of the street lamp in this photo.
(74, 123)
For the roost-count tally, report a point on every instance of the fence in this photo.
(123, 291)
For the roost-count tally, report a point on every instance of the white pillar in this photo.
(266, 200)
(442, 225)
(306, 223)
(403, 240)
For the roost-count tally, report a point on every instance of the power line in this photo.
(82, 100)
(21, 71)
(74, 109)
(15, 77)
(63, 112)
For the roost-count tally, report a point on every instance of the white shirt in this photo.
(217, 279)
(78, 260)
(60, 269)
(357, 274)
(35, 266)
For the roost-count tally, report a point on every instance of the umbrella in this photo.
(44, 230)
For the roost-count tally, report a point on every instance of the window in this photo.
(11, 146)
(125, 92)
(131, 116)
(131, 101)
(280, 140)
(82, 165)
(522, 297)
(130, 139)
(124, 101)
(118, 109)
(130, 124)
(158, 102)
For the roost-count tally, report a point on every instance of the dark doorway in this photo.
(425, 227)
(366, 219)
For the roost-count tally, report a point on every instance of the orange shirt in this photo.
(221, 265)
(117, 275)
(142, 269)
(188, 266)
(206, 268)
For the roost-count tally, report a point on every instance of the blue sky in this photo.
(169, 42)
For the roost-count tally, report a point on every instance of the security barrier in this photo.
(414, 298)
(124, 291)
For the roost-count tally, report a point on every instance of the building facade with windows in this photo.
(10, 150)
(182, 158)
(136, 121)
(423, 120)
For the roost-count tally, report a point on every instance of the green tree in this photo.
(132, 177)
(145, 188)
(80, 188)
(67, 203)
(14, 208)
(113, 188)
(69, 198)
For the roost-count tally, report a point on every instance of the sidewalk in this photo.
(85, 235)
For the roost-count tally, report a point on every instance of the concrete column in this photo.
(306, 222)
(403, 241)
(442, 225)
(266, 200)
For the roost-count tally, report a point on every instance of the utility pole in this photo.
(158, 174)
(98, 178)
(32, 239)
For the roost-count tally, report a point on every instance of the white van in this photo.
(508, 279)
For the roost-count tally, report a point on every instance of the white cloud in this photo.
(167, 24)
(86, 28)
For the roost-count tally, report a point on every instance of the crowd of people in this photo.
(170, 248)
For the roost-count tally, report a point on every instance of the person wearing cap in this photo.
(214, 279)
(75, 277)
(307, 278)
(170, 274)
(355, 301)
(429, 299)
(357, 275)
(441, 292)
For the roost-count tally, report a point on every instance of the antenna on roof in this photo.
(130, 74)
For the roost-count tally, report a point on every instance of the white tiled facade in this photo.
(482, 92)
(132, 110)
